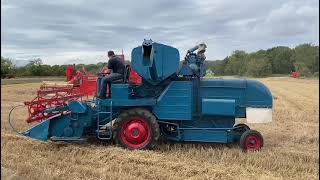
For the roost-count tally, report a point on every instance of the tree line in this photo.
(303, 58)
(37, 68)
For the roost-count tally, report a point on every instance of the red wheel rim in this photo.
(253, 142)
(135, 132)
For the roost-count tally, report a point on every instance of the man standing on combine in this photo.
(115, 69)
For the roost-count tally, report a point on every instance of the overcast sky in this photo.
(74, 31)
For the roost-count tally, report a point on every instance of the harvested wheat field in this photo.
(290, 150)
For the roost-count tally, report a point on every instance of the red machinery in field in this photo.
(80, 84)
(54, 94)
(50, 97)
(294, 74)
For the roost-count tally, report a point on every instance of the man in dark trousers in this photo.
(116, 69)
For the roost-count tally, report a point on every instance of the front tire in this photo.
(136, 129)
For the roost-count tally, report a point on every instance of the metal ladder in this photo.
(103, 135)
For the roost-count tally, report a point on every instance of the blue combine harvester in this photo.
(173, 101)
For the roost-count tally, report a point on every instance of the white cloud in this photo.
(62, 31)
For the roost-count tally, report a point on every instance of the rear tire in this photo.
(136, 129)
(251, 140)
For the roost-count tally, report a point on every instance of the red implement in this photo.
(50, 97)
(55, 94)
(79, 84)
(295, 74)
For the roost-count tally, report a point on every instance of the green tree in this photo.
(259, 67)
(35, 67)
(280, 58)
(236, 63)
(306, 59)
(303, 69)
(217, 66)
(7, 68)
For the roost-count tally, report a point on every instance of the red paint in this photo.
(50, 97)
(134, 77)
(85, 82)
(88, 85)
(135, 132)
(69, 72)
(295, 74)
(253, 142)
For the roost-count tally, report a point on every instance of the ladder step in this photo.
(104, 132)
(100, 126)
(103, 127)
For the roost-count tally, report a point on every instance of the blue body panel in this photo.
(120, 91)
(257, 95)
(203, 135)
(77, 107)
(39, 131)
(128, 102)
(223, 107)
(175, 102)
(160, 64)
(64, 126)
(245, 93)
(225, 89)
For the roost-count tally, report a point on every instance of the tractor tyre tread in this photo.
(242, 141)
(144, 113)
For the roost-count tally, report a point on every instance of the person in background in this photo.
(115, 70)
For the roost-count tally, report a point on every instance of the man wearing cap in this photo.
(116, 69)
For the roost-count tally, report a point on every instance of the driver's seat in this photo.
(125, 76)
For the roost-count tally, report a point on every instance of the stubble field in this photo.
(290, 150)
